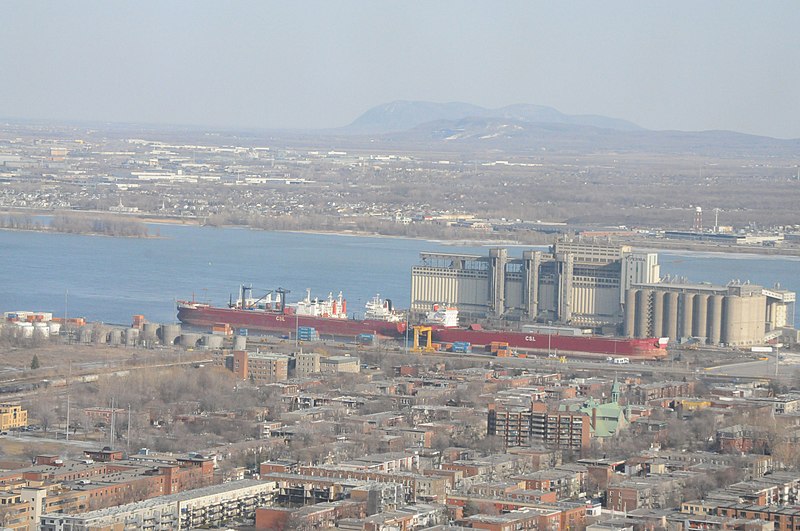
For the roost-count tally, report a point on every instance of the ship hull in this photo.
(555, 344)
(207, 316)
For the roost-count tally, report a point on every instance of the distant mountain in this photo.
(517, 136)
(400, 116)
(523, 128)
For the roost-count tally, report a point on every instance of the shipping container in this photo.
(461, 347)
(365, 339)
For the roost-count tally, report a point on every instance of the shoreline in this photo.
(99, 234)
(643, 245)
(679, 247)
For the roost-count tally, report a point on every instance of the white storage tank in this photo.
(85, 334)
(115, 337)
(240, 343)
(212, 341)
(190, 340)
(131, 337)
(26, 329)
(41, 330)
(150, 331)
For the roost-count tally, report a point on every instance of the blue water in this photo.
(111, 279)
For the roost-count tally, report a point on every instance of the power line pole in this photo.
(111, 431)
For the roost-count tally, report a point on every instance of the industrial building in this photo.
(577, 282)
(739, 314)
(609, 288)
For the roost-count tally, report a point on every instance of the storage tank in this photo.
(169, 333)
(658, 313)
(190, 340)
(41, 330)
(100, 334)
(700, 319)
(115, 337)
(671, 315)
(643, 312)
(212, 341)
(732, 326)
(55, 328)
(240, 343)
(715, 319)
(630, 313)
(26, 329)
(85, 334)
(687, 313)
(131, 337)
(150, 331)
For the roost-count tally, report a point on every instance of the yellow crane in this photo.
(428, 332)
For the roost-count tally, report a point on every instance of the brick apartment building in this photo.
(12, 416)
(260, 368)
(339, 364)
(206, 507)
(306, 363)
(784, 518)
(742, 438)
(525, 426)
(53, 485)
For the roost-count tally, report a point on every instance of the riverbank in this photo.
(442, 238)
(100, 234)
(707, 247)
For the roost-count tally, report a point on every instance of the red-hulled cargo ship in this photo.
(555, 344)
(444, 329)
(272, 314)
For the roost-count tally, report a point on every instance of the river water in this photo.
(111, 279)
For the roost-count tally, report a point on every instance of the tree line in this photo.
(77, 223)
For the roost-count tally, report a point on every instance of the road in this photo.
(786, 368)
(29, 438)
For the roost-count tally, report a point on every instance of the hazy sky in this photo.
(688, 65)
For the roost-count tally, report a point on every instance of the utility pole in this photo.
(69, 378)
(406, 342)
(66, 330)
(67, 430)
(111, 431)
